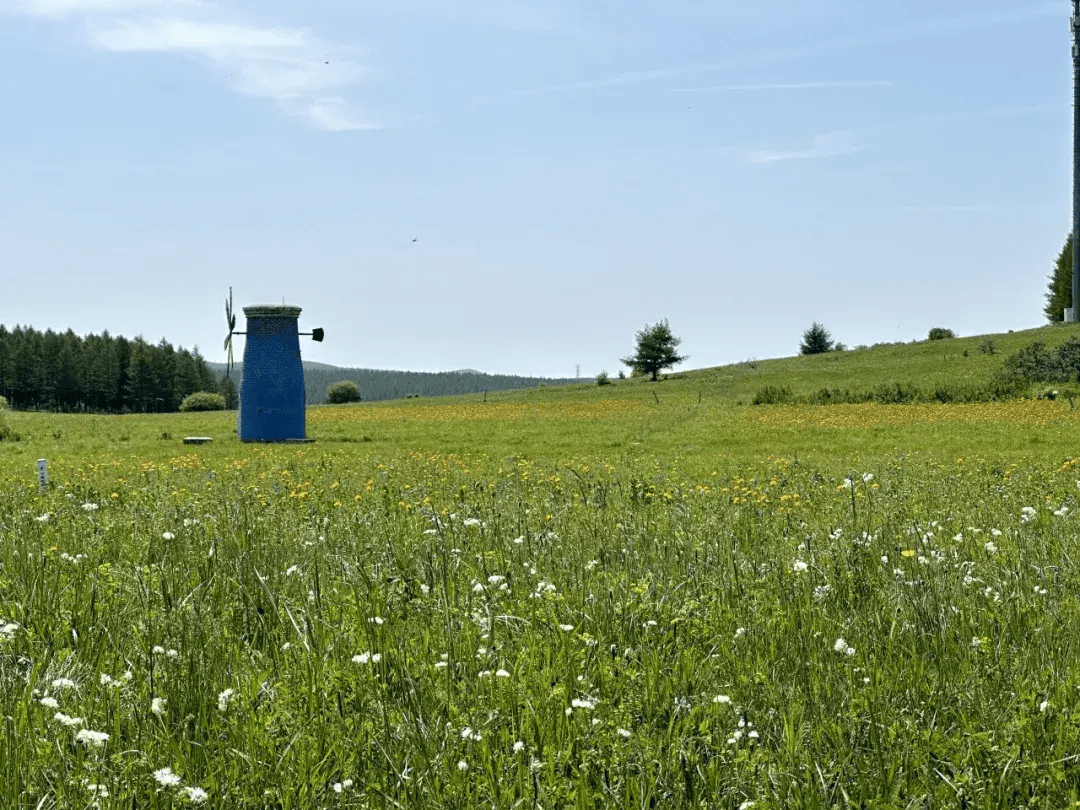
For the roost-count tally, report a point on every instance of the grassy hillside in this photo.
(926, 363)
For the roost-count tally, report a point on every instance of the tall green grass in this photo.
(322, 628)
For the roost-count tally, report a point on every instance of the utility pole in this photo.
(1071, 314)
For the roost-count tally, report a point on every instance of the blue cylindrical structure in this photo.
(272, 386)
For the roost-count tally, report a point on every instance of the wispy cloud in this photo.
(922, 29)
(945, 209)
(289, 66)
(62, 8)
(830, 144)
(821, 85)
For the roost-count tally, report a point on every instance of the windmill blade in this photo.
(230, 321)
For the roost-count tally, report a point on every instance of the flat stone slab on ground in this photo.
(197, 439)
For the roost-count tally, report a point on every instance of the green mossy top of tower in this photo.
(272, 311)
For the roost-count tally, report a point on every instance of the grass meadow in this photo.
(643, 596)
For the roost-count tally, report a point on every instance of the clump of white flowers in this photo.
(224, 698)
(843, 647)
(93, 739)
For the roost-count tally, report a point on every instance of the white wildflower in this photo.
(799, 566)
(166, 778)
(65, 720)
(867, 477)
(462, 765)
(472, 523)
(224, 698)
(89, 507)
(566, 628)
(740, 632)
(990, 547)
(157, 706)
(62, 683)
(375, 620)
(502, 673)
(1027, 514)
(519, 746)
(721, 699)
(1043, 705)
(841, 646)
(581, 703)
(50, 703)
(196, 795)
(622, 732)
(94, 739)
(168, 536)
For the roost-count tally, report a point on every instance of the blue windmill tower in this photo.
(272, 384)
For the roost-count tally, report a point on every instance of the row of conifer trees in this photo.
(63, 371)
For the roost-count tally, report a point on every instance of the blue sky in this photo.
(569, 171)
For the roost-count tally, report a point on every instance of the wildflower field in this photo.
(644, 603)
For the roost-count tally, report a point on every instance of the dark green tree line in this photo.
(62, 371)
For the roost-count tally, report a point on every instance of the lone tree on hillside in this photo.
(816, 340)
(655, 350)
(1059, 290)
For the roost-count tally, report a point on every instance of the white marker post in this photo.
(42, 474)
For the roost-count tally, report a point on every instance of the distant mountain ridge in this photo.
(381, 384)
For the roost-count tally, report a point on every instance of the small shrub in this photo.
(202, 401)
(7, 434)
(341, 392)
(3, 404)
(941, 333)
(603, 379)
(622, 374)
(773, 395)
(988, 346)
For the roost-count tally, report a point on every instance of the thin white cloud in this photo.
(289, 66)
(913, 31)
(945, 209)
(62, 8)
(830, 144)
(822, 85)
(336, 115)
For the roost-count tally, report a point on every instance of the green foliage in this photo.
(227, 388)
(1059, 287)
(98, 373)
(773, 395)
(1036, 363)
(655, 350)
(342, 392)
(941, 333)
(3, 404)
(603, 379)
(816, 340)
(988, 346)
(202, 401)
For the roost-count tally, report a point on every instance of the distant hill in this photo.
(378, 384)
